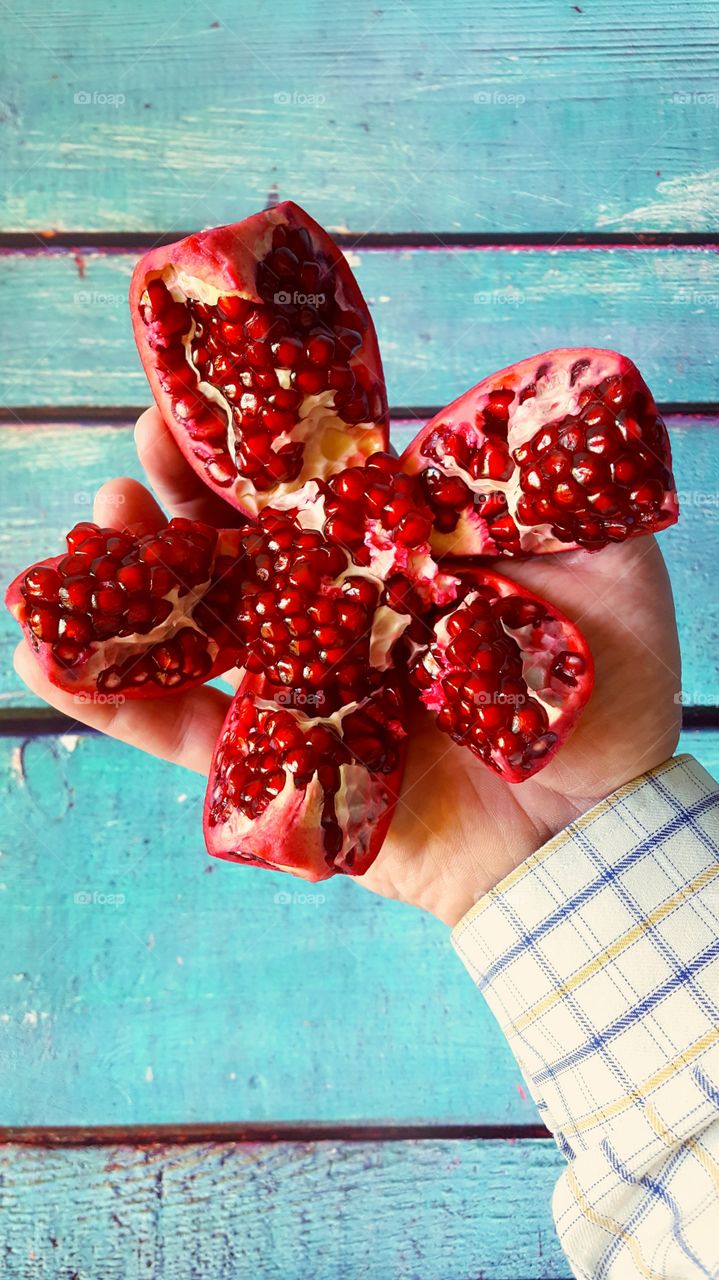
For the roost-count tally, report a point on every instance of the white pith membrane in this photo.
(556, 398)
(291, 816)
(330, 444)
(539, 646)
(118, 649)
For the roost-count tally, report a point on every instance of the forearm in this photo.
(600, 958)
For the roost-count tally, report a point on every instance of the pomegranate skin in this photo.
(296, 391)
(278, 819)
(505, 673)
(563, 450)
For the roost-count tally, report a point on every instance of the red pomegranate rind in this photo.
(565, 449)
(115, 615)
(292, 790)
(506, 673)
(261, 354)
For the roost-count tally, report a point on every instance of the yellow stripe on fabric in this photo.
(564, 837)
(611, 952)
(706, 1161)
(639, 1094)
(614, 1228)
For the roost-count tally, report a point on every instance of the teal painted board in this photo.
(56, 470)
(143, 983)
(445, 318)
(286, 1211)
(483, 118)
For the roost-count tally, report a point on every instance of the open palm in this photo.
(458, 828)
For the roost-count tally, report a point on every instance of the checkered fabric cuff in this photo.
(599, 955)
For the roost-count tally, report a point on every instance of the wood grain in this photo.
(445, 318)
(57, 469)
(143, 983)
(399, 117)
(284, 1211)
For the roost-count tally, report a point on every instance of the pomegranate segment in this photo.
(116, 615)
(506, 673)
(311, 794)
(261, 355)
(562, 450)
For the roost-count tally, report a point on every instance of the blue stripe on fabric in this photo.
(584, 895)
(653, 932)
(677, 979)
(657, 1193)
(574, 1005)
(709, 1089)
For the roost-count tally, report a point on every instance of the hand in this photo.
(458, 829)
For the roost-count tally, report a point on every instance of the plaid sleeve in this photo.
(599, 956)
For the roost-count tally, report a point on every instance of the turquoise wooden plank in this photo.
(445, 318)
(400, 1209)
(142, 983)
(55, 471)
(204, 995)
(401, 117)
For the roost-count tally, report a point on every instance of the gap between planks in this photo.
(142, 1135)
(41, 241)
(125, 415)
(38, 722)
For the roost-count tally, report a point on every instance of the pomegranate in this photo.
(311, 596)
(295, 791)
(505, 672)
(562, 450)
(118, 613)
(263, 359)
(261, 355)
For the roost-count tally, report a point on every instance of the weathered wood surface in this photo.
(466, 117)
(143, 983)
(56, 470)
(285, 1211)
(445, 318)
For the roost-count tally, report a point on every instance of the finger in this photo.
(172, 478)
(182, 728)
(126, 504)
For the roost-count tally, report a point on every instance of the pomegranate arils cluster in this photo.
(264, 749)
(299, 626)
(499, 675)
(113, 585)
(562, 452)
(332, 595)
(268, 360)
